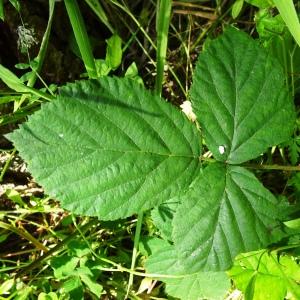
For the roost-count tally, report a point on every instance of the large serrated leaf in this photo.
(226, 211)
(109, 148)
(240, 98)
(188, 285)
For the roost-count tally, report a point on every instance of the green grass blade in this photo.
(100, 13)
(288, 13)
(1, 10)
(81, 37)
(14, 83)
(162, 29)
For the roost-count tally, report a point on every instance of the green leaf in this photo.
(149, 245)
(92, 285)
(14, 83)
(226, 211)
(1, 10)
(236, 8)
(188, 286)
(201, 285)
(6, 286)
(162, 217)
(102, 67)
(240, 98)
(79, 248)
(261, 3)
(114, 52)
(263, 275)
(64, 265)
(109, 148)
(49, 296)
(15, 4)
(11, 80)
(133, 73)
(288, 13)
(74, 287)
(277, 39)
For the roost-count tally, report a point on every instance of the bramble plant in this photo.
(110, 148)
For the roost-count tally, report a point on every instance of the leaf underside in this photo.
(109, 148)
(240, 98)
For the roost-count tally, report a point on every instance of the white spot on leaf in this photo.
(61, 135)
(222, 149)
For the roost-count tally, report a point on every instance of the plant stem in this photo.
(135, 250)
(100, 13)
(7, 163)
(163, 16)
(81, 37)
(272, 167)
(23, 233)
(258, 166)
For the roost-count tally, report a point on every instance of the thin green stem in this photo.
(81, 37)
(135, 249)
(7, 163)
(272, 167)
(23, 233)
(100, 13)
(162, 29)
(257, 166)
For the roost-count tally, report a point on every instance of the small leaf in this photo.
(11, 80)
(102, 67)
(133, 73)
(15, 196)
(109, 148)
(74, 287)
(240, 98)
(79, 248)
(226, 211)
(262, 275)
(15, 4)
(236, 8)
(49, 296)
(114, 52)
(6, 286)
(64, 265)
(92, 285)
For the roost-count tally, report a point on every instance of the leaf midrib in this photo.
(82, 148)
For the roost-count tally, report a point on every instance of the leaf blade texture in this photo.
(109, 148)
(189, 286)
(240, 98)
(266, 275)
(226, 211)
